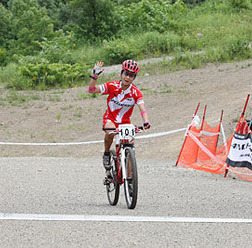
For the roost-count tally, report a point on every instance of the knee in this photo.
(109, 135)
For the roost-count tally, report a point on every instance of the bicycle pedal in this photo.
(107, 181)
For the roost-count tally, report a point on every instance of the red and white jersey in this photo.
(120, 102)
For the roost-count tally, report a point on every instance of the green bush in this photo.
(239, 4)
(148, 15)
(45, 76)
(237, 47)
(234, 48)
(58, 49)
(117, 51)
(7, 73)
(3, 56)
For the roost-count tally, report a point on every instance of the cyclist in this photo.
(122, 95)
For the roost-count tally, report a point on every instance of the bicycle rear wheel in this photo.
(131, 182)
(112, 186)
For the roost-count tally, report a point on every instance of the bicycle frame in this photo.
(120, 154)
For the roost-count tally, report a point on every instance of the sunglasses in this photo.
(131, 75)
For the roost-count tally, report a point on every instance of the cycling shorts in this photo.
(105, 121)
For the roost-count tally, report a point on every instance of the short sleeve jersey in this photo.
(120, 103)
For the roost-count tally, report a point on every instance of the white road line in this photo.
(112, 218)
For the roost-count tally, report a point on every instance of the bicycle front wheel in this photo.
(112, 186)
(131, 182)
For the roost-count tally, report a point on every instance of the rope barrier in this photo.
(90, 142)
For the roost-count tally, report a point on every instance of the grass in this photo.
(6, 73)
(150, 91)
(75, 126)
(15, 98)
(58, 117)
(54, 98)
(184, 92)
(86, 95)
(78, 113)
(163, 90)
(246, 66)
(166, 91)
(68, 107)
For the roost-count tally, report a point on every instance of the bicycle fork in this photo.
(124, 176)
(120, 152)
(121, 164)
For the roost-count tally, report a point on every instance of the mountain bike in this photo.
(123, 166)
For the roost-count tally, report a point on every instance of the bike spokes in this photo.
(131, 182)
(112, 187)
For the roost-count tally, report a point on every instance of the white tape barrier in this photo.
(51, 144)
(154, 135)
(111, 218)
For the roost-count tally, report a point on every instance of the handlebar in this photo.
(137, 129)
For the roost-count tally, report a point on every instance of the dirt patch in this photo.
(72, 116)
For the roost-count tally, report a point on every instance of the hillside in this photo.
(70, 115)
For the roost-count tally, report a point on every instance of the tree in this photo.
(30, 24)
(54, 10)
(93, 18)
(125, 2)
(4, 2)
(5, 25)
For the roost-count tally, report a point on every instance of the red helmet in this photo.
(130, 66)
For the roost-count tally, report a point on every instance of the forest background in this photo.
(53, 43)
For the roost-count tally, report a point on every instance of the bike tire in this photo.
(113, 187)
(131, 182)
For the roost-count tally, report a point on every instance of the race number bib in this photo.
(126, 131)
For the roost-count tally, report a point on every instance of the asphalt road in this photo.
(70, 186)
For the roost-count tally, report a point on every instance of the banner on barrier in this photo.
(240, 153)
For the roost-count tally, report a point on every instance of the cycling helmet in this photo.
(130, 66)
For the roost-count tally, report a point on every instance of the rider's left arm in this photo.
(144, 115)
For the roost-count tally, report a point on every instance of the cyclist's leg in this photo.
(108, 140)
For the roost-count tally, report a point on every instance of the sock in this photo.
(106, 153)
